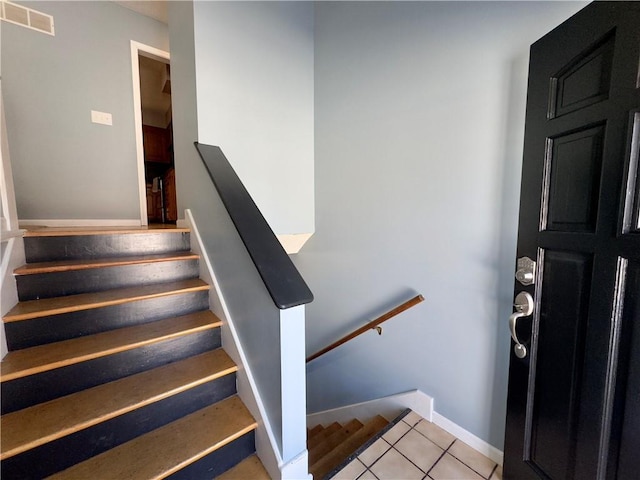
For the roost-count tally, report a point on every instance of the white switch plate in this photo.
(101, 117)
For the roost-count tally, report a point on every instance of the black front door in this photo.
(574, 380)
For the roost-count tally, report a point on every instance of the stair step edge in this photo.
(34, 426)
(159, 453)
(33, 360)
(32, 309)
(333, 458)
(334, 440)
(81, 231)
(362, 448)
(251, 467)
(75, 265)
(330, 429)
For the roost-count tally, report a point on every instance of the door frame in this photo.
(140, 49)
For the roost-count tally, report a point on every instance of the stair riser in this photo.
(56, 284)
(48, 249)
(219, 461)
(61, 454)
(29, 333)
(27, 391)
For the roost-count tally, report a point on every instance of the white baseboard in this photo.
(469, 438)
(389, 407)
(73, 222)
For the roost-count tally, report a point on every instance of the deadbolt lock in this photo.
(526, 272)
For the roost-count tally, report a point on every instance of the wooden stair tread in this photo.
(74, 265)
(249, 468)
(45, 422)
(311, 432)
(333, 458)
(334, 427)
(333, 440)
(167, 449)
(71, 231)
(46, 357)
(85, 301)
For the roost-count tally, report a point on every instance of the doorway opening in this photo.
(154, 134)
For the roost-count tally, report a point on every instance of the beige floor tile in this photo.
(472, 458)
(411, 418)
(352, 471)
(449, 468)
(368, 476)
(437, 435)
(374, 452)
(420, 450)
(396, 432)
(392, 465)
(497, 474)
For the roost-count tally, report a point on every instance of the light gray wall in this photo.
(255, 318)
(419, 117)
(64, 166)
(254, 70)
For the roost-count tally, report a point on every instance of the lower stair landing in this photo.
(411, 447)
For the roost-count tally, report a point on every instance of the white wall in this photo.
(64, 166)
(419, 117)
(254, 70)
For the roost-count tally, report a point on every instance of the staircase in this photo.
(115, 369)
(329, 447)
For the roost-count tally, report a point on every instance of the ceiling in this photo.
(156, 9)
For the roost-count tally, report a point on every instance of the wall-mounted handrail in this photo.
(280, 276)
(369, 326)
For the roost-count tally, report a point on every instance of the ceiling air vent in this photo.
(27, 17)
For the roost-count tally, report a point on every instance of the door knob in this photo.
(524, 307)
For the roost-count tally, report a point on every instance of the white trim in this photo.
(293, 382)
(12, 258)
(138, 49)
(6, 235)
(49, 222)
(293, 242)
(469, 438)
(266, 445)
(389, 407)
(297, 468)
(9, 212)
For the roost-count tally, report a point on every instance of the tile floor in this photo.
(417, 449)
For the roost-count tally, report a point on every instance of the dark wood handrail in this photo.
(369, 326)
(279, 275)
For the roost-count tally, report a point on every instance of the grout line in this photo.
(445, 449)
(444, 452)
(468, 466)
(410, 459)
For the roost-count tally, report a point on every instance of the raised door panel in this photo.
(558, 353)
(585, 80)
(573, 167)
